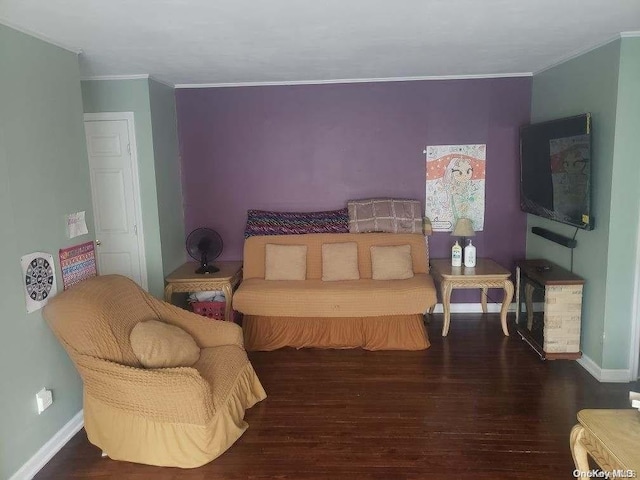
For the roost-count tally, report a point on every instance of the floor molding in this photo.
(474, 308)
(49, 449)
(605, 375)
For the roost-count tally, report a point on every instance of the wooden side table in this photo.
(611, 437)
(486, 274)
(184, 279)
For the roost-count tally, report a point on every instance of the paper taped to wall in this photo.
(76, 225)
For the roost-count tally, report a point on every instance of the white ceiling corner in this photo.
(243, 42)
(44, 38)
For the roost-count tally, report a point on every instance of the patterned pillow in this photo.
(261, 222)
(391, 215)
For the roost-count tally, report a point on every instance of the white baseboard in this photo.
(474, 308)
(605, 375)
(49, 449)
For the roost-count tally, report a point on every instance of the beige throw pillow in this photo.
(285, 262)
(391, 263)
(340, 261)
(161, 345)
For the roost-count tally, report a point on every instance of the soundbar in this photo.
(554, 237)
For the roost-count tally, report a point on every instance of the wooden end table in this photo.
(611, 437)
(184, 280)
(486, 274)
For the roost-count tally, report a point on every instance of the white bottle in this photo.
(469, 255)
(456, 255)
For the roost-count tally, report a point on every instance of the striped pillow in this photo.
(262, 222)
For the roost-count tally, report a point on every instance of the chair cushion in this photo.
(285, 262)
(160, 345)
(340, 261)
(391, 263)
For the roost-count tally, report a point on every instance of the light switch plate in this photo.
(44, 399)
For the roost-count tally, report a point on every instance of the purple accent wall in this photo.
(313, 147)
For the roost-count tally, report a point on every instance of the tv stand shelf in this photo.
(549, 309)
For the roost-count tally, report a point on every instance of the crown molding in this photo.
(142, 76)
(156, 79)
(352, 80)
(583, 51)
(40, 36)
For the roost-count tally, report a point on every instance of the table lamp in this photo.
(464, 229)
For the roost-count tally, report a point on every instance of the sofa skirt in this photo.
(392, 332)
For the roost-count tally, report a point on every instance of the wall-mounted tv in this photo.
(555, 170)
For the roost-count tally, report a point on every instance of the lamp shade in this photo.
(463, 228)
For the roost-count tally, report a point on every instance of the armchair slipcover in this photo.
(182, 417)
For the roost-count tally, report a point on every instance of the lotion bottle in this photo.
(456, 255)
(469, 255)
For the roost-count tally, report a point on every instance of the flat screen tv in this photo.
(555, 170)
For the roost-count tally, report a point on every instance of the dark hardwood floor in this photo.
(475, 405)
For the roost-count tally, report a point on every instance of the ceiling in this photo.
(288, 41)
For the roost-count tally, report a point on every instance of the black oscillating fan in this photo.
(204, 245)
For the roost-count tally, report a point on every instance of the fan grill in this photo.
(204, 245)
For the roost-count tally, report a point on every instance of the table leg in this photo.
(446, 306)
(168, 293)
(228, 297)
(483, 300)
(578, 452)
(506, 301)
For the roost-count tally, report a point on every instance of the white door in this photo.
(116, 195)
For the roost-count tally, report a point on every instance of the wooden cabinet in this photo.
(549, 309)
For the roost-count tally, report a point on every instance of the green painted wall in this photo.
(44, 175)
(133, 96)
(604, 82)
(625, 205)
(588, 83)
(168, 177)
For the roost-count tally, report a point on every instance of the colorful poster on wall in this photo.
(455, 185)
(39, 279)
(77, 263)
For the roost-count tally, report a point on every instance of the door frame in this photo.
(137, 197)
(634, 348)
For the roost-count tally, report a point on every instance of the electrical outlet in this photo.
(44, 399)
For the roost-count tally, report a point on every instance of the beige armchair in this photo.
(183, 417)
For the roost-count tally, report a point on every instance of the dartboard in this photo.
(39, 279)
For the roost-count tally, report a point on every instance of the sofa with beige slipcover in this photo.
(186, 407)
(376, 305)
